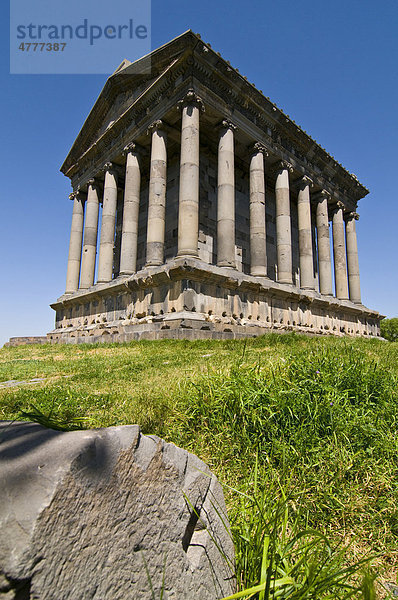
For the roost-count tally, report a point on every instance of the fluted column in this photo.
(90, 236)
(75, 243)
(339, 252)
(157, 196)
(108, 224)
(258, 246)
(226, 197)
(188, 205)
(306, 258)
(352, 258)
(131, 205)
(283, 223)
(323, 239)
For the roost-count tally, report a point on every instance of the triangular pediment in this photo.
(129, 81)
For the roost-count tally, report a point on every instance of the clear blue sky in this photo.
(331, 66)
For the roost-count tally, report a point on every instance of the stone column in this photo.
(188, 205)
(75, 243)
(322, 231)
(258, 246)
(226, 197)
(339, 252)
(306, 258)
(108, 223)
(157, 196)
(90, 236)
(283, 224)
(352, 258)
(131, 205)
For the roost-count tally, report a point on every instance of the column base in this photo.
(126, 273)
(286, 280)
(259, 273)
(188, 253)
(154, 263)
(226, 265)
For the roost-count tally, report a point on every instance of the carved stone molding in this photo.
(191, 98)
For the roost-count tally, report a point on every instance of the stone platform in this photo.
(187, 298)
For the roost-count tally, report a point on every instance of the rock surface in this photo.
(101, 514)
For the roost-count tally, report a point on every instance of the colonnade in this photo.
(84, 233)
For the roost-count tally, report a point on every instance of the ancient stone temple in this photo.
(201, 210)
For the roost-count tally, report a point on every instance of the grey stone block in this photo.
(82, 512)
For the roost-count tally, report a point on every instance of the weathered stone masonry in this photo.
(214, 211)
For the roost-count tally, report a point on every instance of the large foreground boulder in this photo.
(108, 514)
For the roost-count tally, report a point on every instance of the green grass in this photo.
(319, 416)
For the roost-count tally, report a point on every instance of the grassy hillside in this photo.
(309, 423)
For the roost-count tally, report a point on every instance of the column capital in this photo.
(283, 165)
(191, 98)
(321, 196)
(93, 183)
(227, 124)
(336, 207)
(157, 125)
(305, 181)
(109, 167)
(258, 147)
(351, 215)
(79, 194)
(131, 147)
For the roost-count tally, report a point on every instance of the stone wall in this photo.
(22, 341)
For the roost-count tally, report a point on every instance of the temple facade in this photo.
(201, 210)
